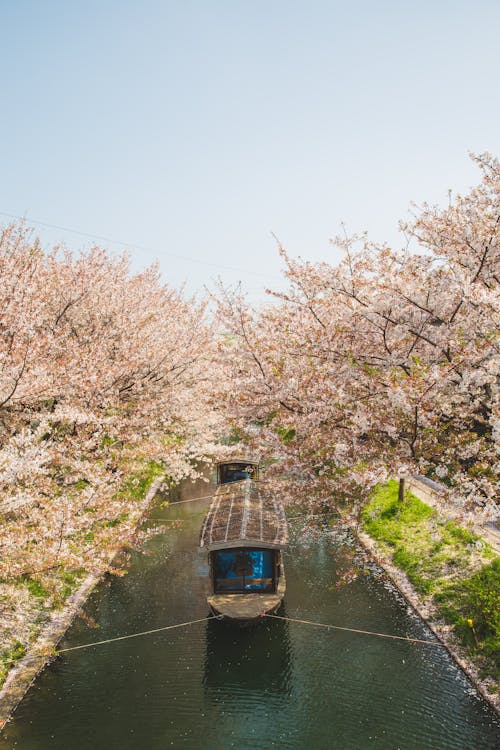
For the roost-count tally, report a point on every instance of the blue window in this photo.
(244, 570)
(234, 472)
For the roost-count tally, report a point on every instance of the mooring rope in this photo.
(356, 630)
(56, 652)
(172, 503)
(190, 500)
(136, 635)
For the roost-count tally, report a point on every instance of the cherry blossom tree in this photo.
(385, 363)
(101, 372)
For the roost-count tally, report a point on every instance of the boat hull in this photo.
(247, 609)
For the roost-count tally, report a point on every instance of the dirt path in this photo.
(436, 496)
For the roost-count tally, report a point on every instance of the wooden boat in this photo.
(244, 533)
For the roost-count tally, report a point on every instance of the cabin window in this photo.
(235, 472)
(244, 570)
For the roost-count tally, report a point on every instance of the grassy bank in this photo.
(448, 565)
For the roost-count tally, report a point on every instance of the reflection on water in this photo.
(215, 686)
(254, 659)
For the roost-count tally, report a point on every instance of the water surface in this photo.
(213, 686)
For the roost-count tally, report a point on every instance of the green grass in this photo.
(135, 486)
(445, 562)
(120, 518)
(57, 585)
(69, 582)
(8, 656)
(34, 586)
(476, 600)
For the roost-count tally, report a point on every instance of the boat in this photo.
(244, 533)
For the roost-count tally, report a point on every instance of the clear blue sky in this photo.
(197, 127)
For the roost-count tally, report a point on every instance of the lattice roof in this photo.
(245, 513)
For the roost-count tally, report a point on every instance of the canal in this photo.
(211, 686)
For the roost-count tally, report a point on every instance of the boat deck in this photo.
(248, 607)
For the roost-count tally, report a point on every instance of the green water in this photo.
(213, 686)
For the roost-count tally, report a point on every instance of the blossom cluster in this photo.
(385, 364)
(105, 382)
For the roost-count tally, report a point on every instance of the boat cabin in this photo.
(235, 471)
(244, 569)
(244, 532)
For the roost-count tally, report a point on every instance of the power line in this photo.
(133, 246)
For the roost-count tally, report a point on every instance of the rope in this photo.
(136, 635)
(28, 657)
(355, 630)
(47, 655)
(172, 503)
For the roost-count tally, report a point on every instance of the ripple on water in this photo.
(281, 685)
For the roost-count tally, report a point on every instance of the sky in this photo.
(197, 131)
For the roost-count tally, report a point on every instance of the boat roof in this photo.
(244, 514)
(239, 459)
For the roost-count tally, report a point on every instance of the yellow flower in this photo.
(470, 623)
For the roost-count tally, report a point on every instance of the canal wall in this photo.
(42, 651)
(427, 612)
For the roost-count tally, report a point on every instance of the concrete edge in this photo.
(41, 652)
(426, 612)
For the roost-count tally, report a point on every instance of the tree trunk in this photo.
(401, 490)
